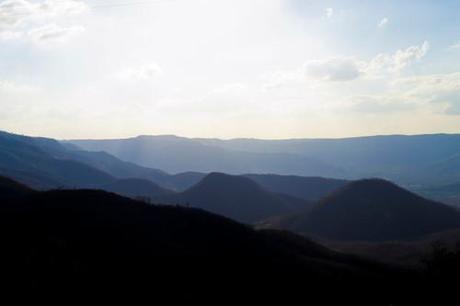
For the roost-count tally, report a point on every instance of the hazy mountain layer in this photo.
(410, 160)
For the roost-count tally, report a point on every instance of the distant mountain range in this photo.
(408, 160)
(345, 208)
(176, 154)
(372, 210)
(45, 163)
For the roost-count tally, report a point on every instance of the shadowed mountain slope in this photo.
(21, 157)
(236, 197)
(136, 188)
(308, 188)
(373, 210)
(11, 188)
(45, 163)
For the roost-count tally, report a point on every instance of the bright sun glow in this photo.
(228, 68)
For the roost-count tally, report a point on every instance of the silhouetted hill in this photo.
(308, 188)
(69, 242)
(136, 188)
(236, 197)
(373, 210)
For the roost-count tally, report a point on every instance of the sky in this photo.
(229, 68)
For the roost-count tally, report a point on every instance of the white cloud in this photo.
(329, 12)
(18, 17)
(403, 58)
(10, 35)
(442, 91)
(60, 7)
(347, 69)
(53, 33)
(14, 12)
(383, 64)
(383, 23)
(438, 94)
(335, 69)
(148, 71)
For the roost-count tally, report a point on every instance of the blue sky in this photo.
(229, 68)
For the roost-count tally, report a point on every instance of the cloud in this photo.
(383, 23)
(148, 71)
(440, 91)
(455, 46)
(348, 69)
(335, 69)
(403, 58)
(10, 35)
(383, 64)
(53, 33)
(60, 7)
(329, 12)
(18, 17)
(438, 94)
(14, 12)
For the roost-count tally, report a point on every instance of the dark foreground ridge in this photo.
(91, 241)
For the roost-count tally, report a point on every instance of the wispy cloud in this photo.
(148, 71)
(383, 23)
(31, 19)
(394, 63)
(347, 69)
(53, 33)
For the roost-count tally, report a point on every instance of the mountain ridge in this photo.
(236, 197)
(373, 210)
